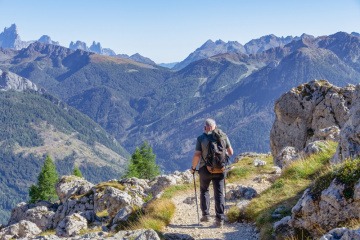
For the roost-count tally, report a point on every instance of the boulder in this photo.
(41, 213)
(259, 162)
(112, 200)
(22, 229)
(160, 183)
(185, 177)
(342, 234)
(311, 112)
(71, 225)
(315, 147)
(241, 192)
(122, 215)
(142, 234)
(282, 228)
(70, 186)
(286, 156)
(326, 212)
(83, 206)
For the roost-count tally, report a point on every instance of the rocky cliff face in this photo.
(305, 116)
(12, 81)
(349, 140)
(311, 112)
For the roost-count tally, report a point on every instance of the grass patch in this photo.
(245, 168)
(156, 216)
(162, 209)
(233, 214)
(102, 214)
(101, 186)
(48, 232)
(347, 173)
(172, 190)
(352, 224)
(286, 191)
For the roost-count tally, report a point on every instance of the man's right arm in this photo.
(195, 161)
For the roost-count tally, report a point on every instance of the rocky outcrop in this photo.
(324, 213)
(349, 142)
(41, 213)
(12, 81)
(22, 229)
(342, 234)
(71, 225)
(311, 112)
(81, 201)
(71, 185)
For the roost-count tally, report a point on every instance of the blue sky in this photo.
(169, 30)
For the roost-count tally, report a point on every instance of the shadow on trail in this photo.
(189, 226)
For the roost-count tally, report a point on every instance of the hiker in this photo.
(218, 179)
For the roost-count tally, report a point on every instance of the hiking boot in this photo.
(219, 223)
(205, 218)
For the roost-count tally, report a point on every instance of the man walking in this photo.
(200, 157)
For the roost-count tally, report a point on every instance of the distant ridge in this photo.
(210, 48)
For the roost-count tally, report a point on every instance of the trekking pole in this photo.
(197, 206)
(225, 191)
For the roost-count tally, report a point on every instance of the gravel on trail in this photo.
(185, 222)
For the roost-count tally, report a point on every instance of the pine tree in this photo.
(47, 179)
(77, 172)
(143, 163)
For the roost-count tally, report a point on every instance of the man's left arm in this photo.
(229, 149)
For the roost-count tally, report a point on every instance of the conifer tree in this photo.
(77, 172)
(47, 179)
(143, 163)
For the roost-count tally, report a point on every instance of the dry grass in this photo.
(245, 169)
(103, 185)
(156, 216)
(286, 190)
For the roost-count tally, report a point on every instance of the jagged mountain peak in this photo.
(47, 39)
(267, 42)
(10, 38)
(209, 49)
(12, 29)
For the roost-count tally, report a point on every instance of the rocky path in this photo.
(185, 221)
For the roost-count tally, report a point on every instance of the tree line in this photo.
(142, 165)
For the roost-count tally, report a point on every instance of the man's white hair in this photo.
(210, 122)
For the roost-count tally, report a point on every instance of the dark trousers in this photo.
(218, 184)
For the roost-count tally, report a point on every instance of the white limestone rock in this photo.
(112, 199)
(41, 213)
(71, 225)
(22, 229)
(325, 213)
(349, 143)
(71, 185)
(311, 112)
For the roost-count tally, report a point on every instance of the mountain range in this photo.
(134, 101)
(36, 124)
(10, 39)
(237, 85)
